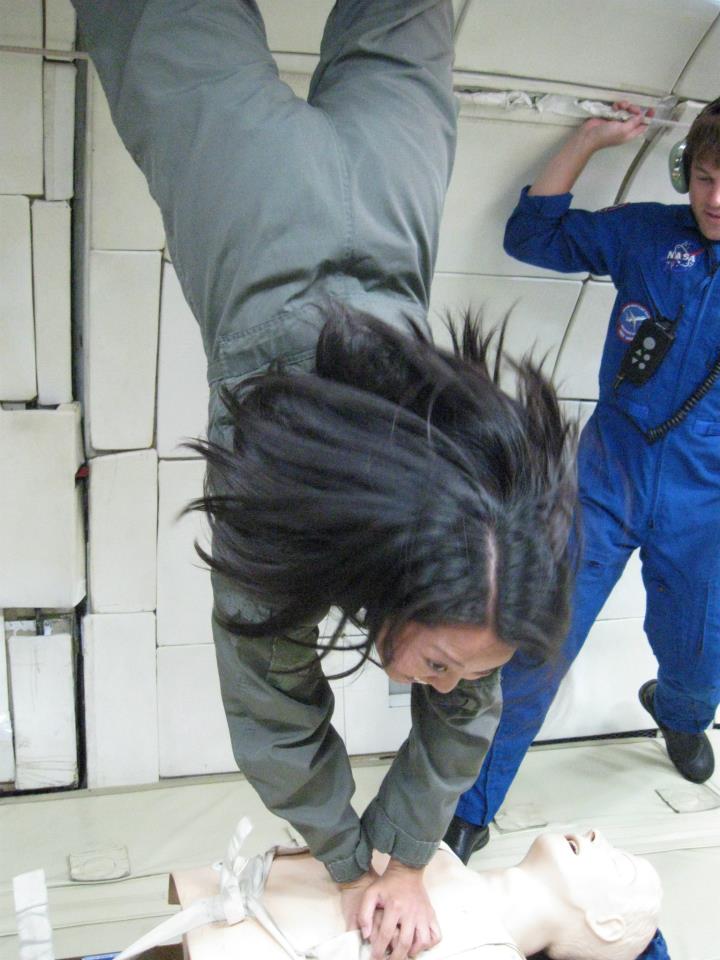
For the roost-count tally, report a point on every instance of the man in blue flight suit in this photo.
(649, 459)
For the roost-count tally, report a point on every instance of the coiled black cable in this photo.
(657, 433)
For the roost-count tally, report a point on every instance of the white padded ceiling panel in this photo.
(182, 378)
(578, 364)
(21, 124)
(193, 735)
(123, 215)
(184, 595)
(497, 155)
(7, 753)
(650, 178)
(295, 26)
(121, 348)
(42, 549)
(699, 80)
(538, 311)
(120, 699)
(17, 331)
(640, 46)
(599, 693)
(21, 23)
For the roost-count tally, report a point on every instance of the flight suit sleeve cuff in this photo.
(387, 837)
(354, 866)
(550, 207)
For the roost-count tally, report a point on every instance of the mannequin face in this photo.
(606, 899)
(443, 655)
(705, 197)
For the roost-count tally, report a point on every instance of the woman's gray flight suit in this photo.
(272, 204)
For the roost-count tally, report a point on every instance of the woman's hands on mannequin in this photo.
(393, 911)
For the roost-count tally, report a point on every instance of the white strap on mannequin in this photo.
(33, 922)
(242, 882)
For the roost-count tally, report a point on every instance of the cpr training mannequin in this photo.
(575, 897)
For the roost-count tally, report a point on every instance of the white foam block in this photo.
(182, 372)
(59, 126)
(7, 755)
(193, 735)
(184, 593)
(59, 25)
(43, 702)
(599, 693)
(51, 282)
(42, 549)
(21, 23)
(123, 215)
(120, 699)
(17, 331)
(122, 549)
(578, 364)
(21, 123)
(122, 329)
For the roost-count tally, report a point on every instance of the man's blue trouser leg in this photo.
(528, 692)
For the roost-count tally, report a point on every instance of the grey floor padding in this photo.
(611, 785)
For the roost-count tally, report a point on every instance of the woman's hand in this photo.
(395, 913)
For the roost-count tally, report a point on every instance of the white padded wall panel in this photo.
(497, 155)
(599, 693)
(59, 128)
(193, 735)
(295, 25)
(123, 215)
(182, 400)
(580, 42)
(375, 722)
(184, 594)
(17, 330)
(578, 363)
(628, 597)
(21, 23)
(42, 550)
(21, 124)
(43, 704)
(538, 311)
(7, 754)
(122, 548)
(59, 25)
(121, 352)
(699, 79)
(120, 699)
(650, 179)
(51, 282)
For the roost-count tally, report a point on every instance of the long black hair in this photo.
(397, 482)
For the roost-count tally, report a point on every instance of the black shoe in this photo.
(691, 753)
(465, 838)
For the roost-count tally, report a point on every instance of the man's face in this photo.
(443, 655)
(705, 197)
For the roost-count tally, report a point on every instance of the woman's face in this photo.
(443, 655)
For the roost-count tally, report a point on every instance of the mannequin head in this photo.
(603, 902)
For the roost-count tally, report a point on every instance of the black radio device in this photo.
(646, 351)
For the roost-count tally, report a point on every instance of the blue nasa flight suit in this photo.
(664, 497)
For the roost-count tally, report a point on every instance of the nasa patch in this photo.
(682, 256)
(629, 320)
